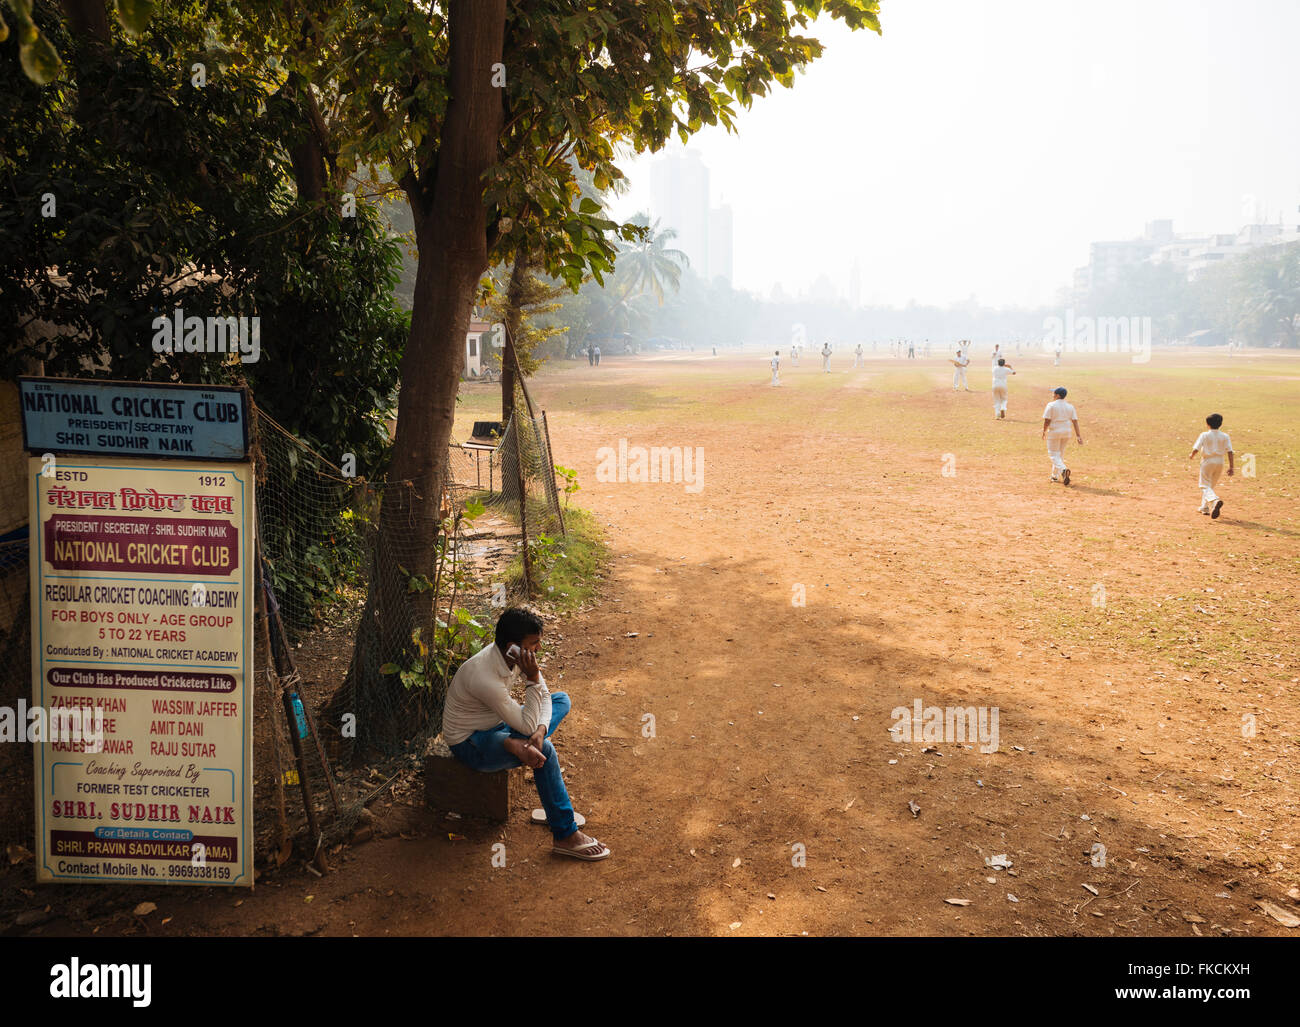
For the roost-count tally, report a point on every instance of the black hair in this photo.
(1060, 391)
(1214, 420)
(515, 625)
(1001, 362)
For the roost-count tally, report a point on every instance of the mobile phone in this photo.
(515, 653)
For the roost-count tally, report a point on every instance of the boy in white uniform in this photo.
(794, 356)
(1000, 371)
(826, 357)
(959, 375)
(858, 354)
(1212, 445)
(1058, 417)
(776, 367)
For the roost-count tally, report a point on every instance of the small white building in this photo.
(474, 348)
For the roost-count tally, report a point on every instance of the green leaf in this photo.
(40, 61)
(134, 15)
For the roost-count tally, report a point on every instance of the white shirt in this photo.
(1060, 414)
(962, 359)
(1213, 444)
(775, 362)
(1000, 373)
(998, 355)
(479, 698)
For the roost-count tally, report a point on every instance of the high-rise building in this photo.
(720, 231)
(679, 199)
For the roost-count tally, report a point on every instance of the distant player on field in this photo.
(826, 357)
(1212, 445)
(997, 353)
(857, 354)
(776, 367)
(1000, 373)
(959, 372)
(1058, 417)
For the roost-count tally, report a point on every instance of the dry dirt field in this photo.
(1142, 660)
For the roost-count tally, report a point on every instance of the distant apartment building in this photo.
(720, 235)
(1190, 254)
(679, 199)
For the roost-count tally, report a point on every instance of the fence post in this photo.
(550, 476)
(523, 508)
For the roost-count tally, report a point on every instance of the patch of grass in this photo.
(575, 563)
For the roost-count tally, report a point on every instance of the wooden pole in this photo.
(523, 508)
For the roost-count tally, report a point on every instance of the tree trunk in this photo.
(451, 235)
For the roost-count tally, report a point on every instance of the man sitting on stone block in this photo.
(488, 731)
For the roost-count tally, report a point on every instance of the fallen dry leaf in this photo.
(1279, 914)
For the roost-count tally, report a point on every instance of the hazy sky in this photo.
(977, 148)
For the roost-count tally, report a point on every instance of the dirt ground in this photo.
(1142, 660)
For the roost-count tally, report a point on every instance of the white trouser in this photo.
(776, 378)
(1056, 450)
(959, 377)
(857, 362)
(1211, 472)
(999, 399)
(826, 364)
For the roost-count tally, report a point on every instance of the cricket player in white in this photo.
(1000, 371)
(826, 357)
(997, 353)
(794, 356)
(1212, 445)
(776, 367)
(1058, 417)
(858, 355)
(959, 372)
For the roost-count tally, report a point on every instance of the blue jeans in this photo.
(485, 751)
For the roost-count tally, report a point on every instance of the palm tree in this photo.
(650, 267)
(653, 264)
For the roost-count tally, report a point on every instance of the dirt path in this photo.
(771, 720)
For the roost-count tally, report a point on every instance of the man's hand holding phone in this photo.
(528, 664)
